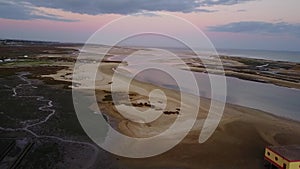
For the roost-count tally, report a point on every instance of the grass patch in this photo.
(27, 63)
(7, 51)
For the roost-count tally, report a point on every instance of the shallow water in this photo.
(280, 101)
(277, 100)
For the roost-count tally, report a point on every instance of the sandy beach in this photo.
(238, 142)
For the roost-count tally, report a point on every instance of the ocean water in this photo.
(276, 55)
(290, 56)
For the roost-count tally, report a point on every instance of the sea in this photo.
(275, 55)
(290, 56)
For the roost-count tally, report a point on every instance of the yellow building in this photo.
(283, 157)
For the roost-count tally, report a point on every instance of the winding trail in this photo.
(46, 108)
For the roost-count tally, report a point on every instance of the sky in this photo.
(236, 24)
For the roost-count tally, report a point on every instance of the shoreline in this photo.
(64, 73)
(238, 141)
(238, 127)
(280, 73)
(260, 125)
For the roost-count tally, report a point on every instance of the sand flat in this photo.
(238, 142)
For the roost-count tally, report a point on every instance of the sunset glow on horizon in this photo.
(249, 24)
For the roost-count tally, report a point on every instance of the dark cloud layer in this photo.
(25, 11)
(15, 9)
(130, 6)
(258, 27)
(221, 2)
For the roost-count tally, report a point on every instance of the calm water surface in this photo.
(277, 100)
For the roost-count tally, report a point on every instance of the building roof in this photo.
(290, 153)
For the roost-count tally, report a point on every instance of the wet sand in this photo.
(238, 142)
